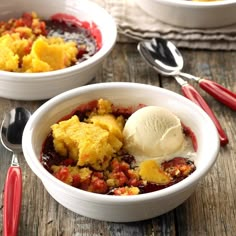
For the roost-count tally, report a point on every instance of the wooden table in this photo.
(211, 210)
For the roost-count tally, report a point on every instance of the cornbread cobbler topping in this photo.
(30, 44)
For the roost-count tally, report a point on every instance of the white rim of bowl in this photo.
(38, 168)
(201, 4)
(104, 50)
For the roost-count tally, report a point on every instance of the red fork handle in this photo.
(12, 201)
(192, 94)
(219, 92)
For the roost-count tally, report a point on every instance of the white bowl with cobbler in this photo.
(120, 151)
(48, 47)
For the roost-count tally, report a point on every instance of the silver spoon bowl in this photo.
(11, 136)
(162, 55)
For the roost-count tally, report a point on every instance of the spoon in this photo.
(165, 58)
(11, 135)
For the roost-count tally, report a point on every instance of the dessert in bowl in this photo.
(114, 207)
(60, 57)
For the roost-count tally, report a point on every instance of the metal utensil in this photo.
(11, 135)
(168, 61)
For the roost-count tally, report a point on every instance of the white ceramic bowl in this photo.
(37, 86)
(121, 208)
(191, 14)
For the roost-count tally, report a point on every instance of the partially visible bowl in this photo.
(121, 208)
(37, 86)
(191, 14)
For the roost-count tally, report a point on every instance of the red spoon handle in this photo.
(219, 92)
(191, 93)
(12, 200)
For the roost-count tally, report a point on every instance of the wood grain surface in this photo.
(211, 210)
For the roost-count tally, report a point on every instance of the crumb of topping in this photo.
(11, 47)
(151, 171)
(104, 106)
(109, 123)
(126, 191)
(49, 54)
(178, 167)
(71, 175)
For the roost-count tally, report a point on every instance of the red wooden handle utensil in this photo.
(219, 92)
(12, 201)
(192, 94)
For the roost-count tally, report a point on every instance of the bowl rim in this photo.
(94, 59)
(45, 176)
(193, 4)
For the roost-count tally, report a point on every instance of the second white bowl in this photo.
(37, 86)
(191, 14)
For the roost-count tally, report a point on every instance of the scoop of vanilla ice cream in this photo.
(152, 132)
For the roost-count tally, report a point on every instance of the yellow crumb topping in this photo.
(49, 54)
(90, 144)
(151, 171)
(24, 48)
